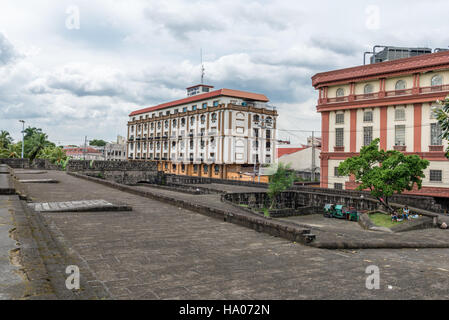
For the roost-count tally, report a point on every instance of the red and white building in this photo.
(393, 101)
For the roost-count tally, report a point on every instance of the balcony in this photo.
(339, 148)
(436, 148)
(434, 89)
(394, 93)
(400, 148)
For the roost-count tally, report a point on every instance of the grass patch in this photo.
(243, 205)
(384, 220)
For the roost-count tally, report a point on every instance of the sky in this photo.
(77, 68)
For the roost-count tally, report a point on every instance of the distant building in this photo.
(116, 151)
(211, 133)
(300, 160)
(317, 141)
(81, 153)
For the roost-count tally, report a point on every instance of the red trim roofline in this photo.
(382, 69)
(208, 95)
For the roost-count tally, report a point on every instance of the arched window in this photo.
(166, 124)
(340, 92)
(256, 118)
(183, 122)
(368, 88)
(400, 85)
(269, 121)
(214, 116)
(174, 123)
(437, 80)
(192, 120)
(240, 115)
(203, 119)
(159, 125)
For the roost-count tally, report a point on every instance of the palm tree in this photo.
(30, 132)
(37, 142)
(10, 152)
(5, 139)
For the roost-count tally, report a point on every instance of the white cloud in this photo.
(129, 55)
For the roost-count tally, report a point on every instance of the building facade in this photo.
(116, 151)
(211, 133)
(393, 101)
(81, 153)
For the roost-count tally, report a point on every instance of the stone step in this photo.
(78, 206)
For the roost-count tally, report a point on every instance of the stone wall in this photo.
(16, 163)
(422, 202)
(179, 179)
(124, 172)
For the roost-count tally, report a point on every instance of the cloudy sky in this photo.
(130, 54)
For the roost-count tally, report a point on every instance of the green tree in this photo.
(5, 139)
(31, 131)
(97, 143)
(35, 144)
(282, 179)
(56, 155)
(384, 172)
(443, 119)
(12, 151)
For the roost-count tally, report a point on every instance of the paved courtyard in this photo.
(160, 251)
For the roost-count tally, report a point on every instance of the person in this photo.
(406, 212)
(394, 217)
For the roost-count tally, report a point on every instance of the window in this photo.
(256, 118)
(216, 169)
(167, 113)
(368, 116)
(183, 122)
(183, 167)
(214, 117)
(194, 108)
(195, 168)
(216, 103)
(336, 172)
(204, 105)
(192, 120)
(436, 175)
(368, 89)
(203, 119)
(159, 125)
(400, 85)
(367, 135)
(399, 114)
(184, 109)
(174, 123)
(435, 134)
(166, 124)
(339, 137)
(340, 118)
(436, 80)
(340, 92)
(399, 135)
(338, 186)
(205, 168)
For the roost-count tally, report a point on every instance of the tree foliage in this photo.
(443, 120)
(384, 173)
(97, 143)
(282, 179)
(5, 139)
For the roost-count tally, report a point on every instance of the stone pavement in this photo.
(160, 251)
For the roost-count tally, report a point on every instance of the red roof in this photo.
(78, 150)
(283, 151)
(212, 94)
(378, 69)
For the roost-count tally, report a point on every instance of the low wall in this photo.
(16, 163)
(422, 202)
(124, 172)
(180, 179)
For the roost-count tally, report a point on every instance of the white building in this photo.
(216, 134)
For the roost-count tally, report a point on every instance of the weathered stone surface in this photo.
(162, 251)
(38, 181)
(78, 206)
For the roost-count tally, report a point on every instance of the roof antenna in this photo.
(202, 66)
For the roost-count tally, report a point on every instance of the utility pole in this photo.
(23, 138)
(313, 157)
(85, 148)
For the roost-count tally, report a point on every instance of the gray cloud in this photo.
(7, 51)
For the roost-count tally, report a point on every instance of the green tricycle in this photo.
(340, 212)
